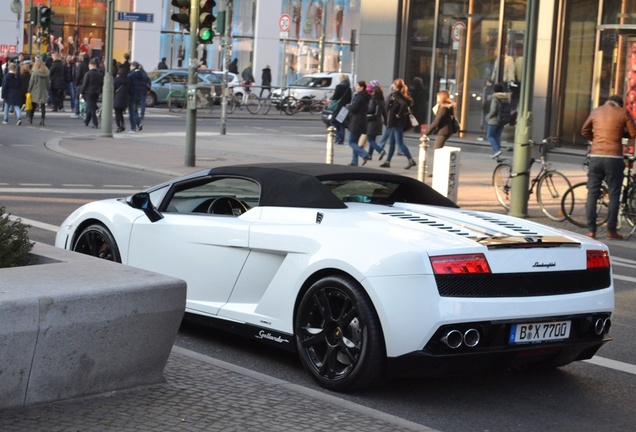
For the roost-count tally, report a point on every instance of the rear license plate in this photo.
(539, 332)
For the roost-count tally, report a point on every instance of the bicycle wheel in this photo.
(266, 105)
(316, 107)
(552, 185)
(501, 181)
(252, 103)
(574, 201)
(290, 105)
(176, 101)
(628, 210)
(231, 104)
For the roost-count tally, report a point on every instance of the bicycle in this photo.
(248, 100)
(178, 98)
(574, 201)
(550, 183)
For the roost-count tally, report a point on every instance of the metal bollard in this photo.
(421, 169)
(331, 133)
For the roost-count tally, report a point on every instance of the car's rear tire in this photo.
(151, 100)
(95, 240)
(338, 335)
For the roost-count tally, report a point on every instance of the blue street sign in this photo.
(135, 17)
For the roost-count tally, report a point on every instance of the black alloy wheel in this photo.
(95, 240)
(338, 335)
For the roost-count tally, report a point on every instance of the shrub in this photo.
(14, 241)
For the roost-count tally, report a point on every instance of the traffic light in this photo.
(33, 15)
(45, 19)
(206, 19)
(183, 17)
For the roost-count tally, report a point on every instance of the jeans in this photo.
(142, 108)
(18, 111)
(356, 149)
(494, 136)
(133, 114)
(77, 101)
(70, 90)
(609, 169)
(340, 130)
(398, 137)
(373, 145)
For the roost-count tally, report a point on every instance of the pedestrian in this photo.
(142, 104)
(420, 100)
(39, 88)
(605, 127)
(442, 125)
(266, 81)
(376, 117)
(233, 66)
(136, 92)
(162, 64)
(57, 82)
(25, 77)
(126, 62)
(120, 99)
(85, 48)
(11, 94)
(248, 75)
(91, 89)
(69, 79)
(397, 118)
(80, 71)
(358, 109)
(342, 97)
(500, 102)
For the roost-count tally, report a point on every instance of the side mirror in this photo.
(141, 201)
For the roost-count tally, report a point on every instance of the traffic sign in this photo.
(457, 30)
(135, 17)
(284, 23)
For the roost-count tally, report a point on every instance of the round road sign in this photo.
(284, 23)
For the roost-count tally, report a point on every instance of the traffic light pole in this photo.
(191, 116)
(107, 89)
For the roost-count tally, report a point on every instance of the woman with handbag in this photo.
(120, 100)
(442, 126)
(25, 77)
(358, 109)
(376, 116)
(39, 88)
(342, 97)
(397, 120)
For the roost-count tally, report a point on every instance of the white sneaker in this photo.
(75, 116)
(496, 155)
(132, 131)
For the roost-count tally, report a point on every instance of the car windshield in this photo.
(363, 191)
(308, 81)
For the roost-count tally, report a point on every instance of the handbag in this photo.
(333, 105)
(342, 114)
(413, 120)
(28, 105)
(362, 142)
(454, 125)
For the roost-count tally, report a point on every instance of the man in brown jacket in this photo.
(605, 128)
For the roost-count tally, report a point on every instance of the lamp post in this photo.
(107, 89)
(191, 116)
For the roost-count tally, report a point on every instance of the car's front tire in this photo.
(338, 335)
(95, 240)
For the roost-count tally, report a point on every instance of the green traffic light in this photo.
(206, 35)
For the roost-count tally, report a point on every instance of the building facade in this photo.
(586, 49)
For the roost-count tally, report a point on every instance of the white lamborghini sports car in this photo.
(364, 273)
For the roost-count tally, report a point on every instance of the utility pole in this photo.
(522, 151)
(107, 89)
(191, 116)
(227, 53)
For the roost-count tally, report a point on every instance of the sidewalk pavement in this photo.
(201, 393)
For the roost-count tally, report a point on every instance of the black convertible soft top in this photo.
(300, 184)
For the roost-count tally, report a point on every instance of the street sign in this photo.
(457, 29)
(284, 23)
(135, 17)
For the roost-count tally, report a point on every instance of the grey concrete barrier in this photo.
(72, 325)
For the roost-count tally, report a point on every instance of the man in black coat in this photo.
(91, 89)
(266, 81)
(137, 85)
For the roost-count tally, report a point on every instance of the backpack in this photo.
(504, 112)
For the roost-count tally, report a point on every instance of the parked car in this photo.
(364, 273)
(233, 80)
(313, 86)
(162, 82)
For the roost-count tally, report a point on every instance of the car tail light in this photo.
(597, 259)
(460, 264)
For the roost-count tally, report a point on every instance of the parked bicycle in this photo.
(574, 201)
(551, 184)
(178, 99)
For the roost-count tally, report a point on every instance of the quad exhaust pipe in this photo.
(455, 338)
(602, 326)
